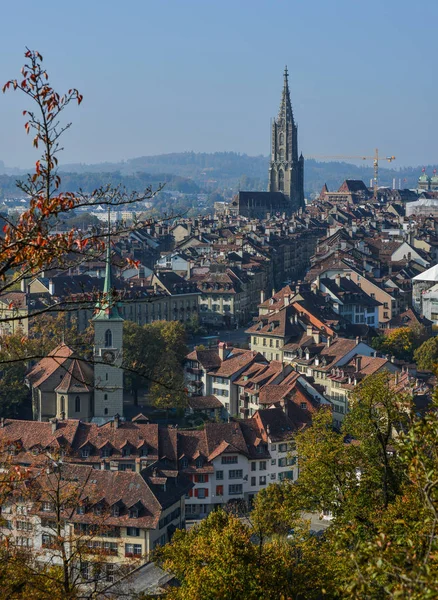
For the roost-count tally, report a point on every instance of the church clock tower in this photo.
(108, 349)
(286, 170)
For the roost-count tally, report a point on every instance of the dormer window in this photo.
(133, 513)
(85, 452)
(199, 463)
(106, 452)
(144, 451)
(184, 463)
(115, 511)
(127, 451)
(80, 510)
(98, 509)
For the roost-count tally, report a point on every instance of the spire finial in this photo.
(286, 74)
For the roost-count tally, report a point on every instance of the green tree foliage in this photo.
(426, 356)
(218, 560)
(398, 342)
(153, 359)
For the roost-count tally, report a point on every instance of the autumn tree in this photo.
(426, 356)
(219, 560)
(40, 502)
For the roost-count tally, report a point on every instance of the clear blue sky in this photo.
(162, 76)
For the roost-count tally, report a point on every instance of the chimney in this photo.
(358, 362)
(296, 319)
(116, 421)
(222, 350)
(329, 341)
(262, 296)
(393, 359)
(2, 422)
(268, 429)
(309, 330)
(316, 337)
(396, 378)
(286, 300)
(273, 292)
(51, 287)
(357, 340)
(338, 279)
(54, 422)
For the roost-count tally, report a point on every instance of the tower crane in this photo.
(375, 158)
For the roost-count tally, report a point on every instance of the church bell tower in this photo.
(108, 348)
(286, 169)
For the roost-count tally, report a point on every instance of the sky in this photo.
(160, 76)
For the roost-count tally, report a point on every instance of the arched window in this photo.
(62, 404)
(106, 411)
(77, 404)
(105, 397)
(280, 181)
(281, 139)
(108, 338)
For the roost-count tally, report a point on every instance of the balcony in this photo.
(244, 397)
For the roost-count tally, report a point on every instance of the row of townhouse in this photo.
(91, 518)
(190, 470)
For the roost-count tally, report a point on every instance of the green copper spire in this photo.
(107, 305)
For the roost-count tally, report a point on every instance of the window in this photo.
(273, 461)
(133, 513)
(80, 510)
(234, 489)
(253, 466)
(253, 481)
(46, 506)
(200, 478)
(199, 463)
(106, 411)
(282, 462)
(133, 550)
(274, 447)
(201, 493)
(235, 474)
(282, 447)
(229, 460)
(85, 571)
(48, 541)
(133, 531)
(105, 397)
(85, 453)
(184, 463)
(24, 526)
(262, 479)
(262, 465)
(77, 404)
(106, 452)
(62, 404)
(219, 490)
(303, 405)
(127, 451)
(115, 511)
(219, 474)
(108, 338)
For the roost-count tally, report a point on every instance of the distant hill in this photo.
(223, 172)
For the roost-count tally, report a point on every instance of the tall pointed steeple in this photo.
(285, 112)
(107, 304)
(286, 169)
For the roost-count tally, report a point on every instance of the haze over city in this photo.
(160, 77)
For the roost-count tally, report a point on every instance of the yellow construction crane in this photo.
(374, 158)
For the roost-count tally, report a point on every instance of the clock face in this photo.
(109, 356)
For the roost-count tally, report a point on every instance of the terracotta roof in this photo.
(234, 364)
(48, 365)
(78, 378)
(204, 402)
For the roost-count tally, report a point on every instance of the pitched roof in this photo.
(77, 379)
(48, 365)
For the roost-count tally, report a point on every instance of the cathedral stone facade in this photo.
(286, 169)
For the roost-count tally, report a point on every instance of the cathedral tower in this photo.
(108, 348)
(286, 170)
